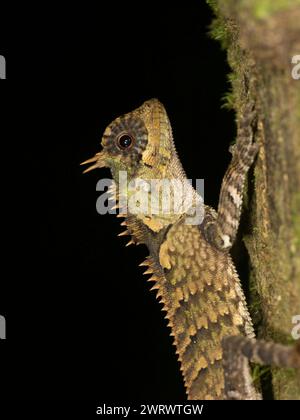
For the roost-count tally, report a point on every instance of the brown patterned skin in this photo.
(192, 269)
(204, 304)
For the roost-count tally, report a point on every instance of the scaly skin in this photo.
(192, 269)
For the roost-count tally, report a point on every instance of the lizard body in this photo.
(190, 263)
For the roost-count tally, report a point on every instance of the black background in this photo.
(81, 322)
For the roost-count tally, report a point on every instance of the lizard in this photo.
(190, 263)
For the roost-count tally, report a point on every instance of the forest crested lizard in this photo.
(190, 264)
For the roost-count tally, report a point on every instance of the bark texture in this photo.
(261, 37)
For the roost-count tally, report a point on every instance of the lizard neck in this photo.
(157, 203)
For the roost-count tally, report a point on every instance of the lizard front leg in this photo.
(221, 232)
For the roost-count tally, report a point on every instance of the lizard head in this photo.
(139, 143)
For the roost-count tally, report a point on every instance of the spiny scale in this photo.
(124, 233)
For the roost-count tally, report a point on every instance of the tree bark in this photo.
(261, 37)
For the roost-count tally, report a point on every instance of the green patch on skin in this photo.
(188, 314)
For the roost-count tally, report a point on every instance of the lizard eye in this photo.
(125, 141)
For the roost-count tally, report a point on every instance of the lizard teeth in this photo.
(131, 242)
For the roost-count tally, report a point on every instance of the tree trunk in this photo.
(261, 37)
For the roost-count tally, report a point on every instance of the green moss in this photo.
(224, 31)
(218, 31)
(213, 4)
(258, 371)
(229, 98)
(298, 104)
(254, 303)
(295, 215)
(286, 383)
(262, 9)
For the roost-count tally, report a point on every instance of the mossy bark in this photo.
(261, 37)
